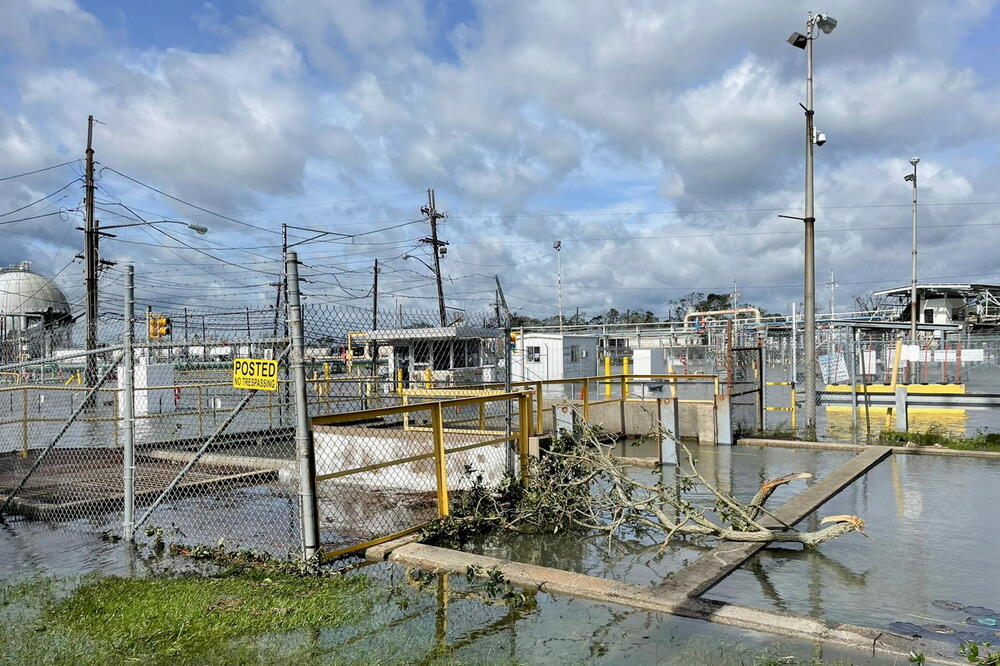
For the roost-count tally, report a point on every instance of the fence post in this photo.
(539, 409)
(303, 437)
(440, 467)
(523, 430)
(24, 422)
(127, 381)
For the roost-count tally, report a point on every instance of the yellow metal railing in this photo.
(792, 407)
(519, 436)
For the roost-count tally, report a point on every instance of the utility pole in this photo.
(830, 363)
(90, 249)
(430, 212)
(375, 296)
(914, 306)
(557, 246)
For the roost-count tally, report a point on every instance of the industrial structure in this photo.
(35, 314)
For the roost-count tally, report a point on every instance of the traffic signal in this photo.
(162, 327)
(159, 327)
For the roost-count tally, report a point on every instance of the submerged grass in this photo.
(173, 619)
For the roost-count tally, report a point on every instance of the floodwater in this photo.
(441, 620)
(930, 560)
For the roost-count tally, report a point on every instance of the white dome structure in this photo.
(28, 298)
(35, 315)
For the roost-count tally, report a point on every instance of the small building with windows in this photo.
(977, 306)
(543, 356)
(449, 355)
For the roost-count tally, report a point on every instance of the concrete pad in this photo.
(843, 446)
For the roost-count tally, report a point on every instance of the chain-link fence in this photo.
(167, 443)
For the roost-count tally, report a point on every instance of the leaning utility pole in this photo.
(430, 211)
(90, 258)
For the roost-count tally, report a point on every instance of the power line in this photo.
(29, 173)
(188, 203)
(47, 196)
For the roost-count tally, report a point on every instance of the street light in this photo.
(914, 310)
(826, 24)
(441, 306)
(410, 256)
(200, 229)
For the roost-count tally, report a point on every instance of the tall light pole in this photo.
(914, 308)
(557, 246)
(798, 40)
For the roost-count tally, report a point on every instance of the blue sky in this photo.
(658, 143)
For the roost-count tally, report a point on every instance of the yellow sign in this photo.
(255, 373)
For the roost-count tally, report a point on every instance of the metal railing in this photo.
(358, 428)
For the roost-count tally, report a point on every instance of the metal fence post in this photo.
(524, 430)
(440, 463)
(303, 437)
(128, 407)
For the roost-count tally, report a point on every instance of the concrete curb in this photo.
(582, 586)
(842, 446)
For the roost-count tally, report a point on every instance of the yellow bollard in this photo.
(625, 379)
(326, 376)
(428, 378)
(399, 380)
(607, 373)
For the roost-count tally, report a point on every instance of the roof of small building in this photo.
(942, 290)
(428, 334)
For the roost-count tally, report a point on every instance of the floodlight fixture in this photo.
(798, 40)
(826, 23)
(914, 160)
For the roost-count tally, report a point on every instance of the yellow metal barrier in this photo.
(520, 437)
(793, 407)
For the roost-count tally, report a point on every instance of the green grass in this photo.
(937, 435)
(226, 619)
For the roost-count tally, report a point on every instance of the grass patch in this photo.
(938, 435)
(234, 618)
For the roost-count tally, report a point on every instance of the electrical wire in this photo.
(48, 168)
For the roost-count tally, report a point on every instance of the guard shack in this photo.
(439, 356)
(544, 356)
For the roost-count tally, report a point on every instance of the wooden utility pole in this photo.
(430, 211)
(375, 297)
(90, 249)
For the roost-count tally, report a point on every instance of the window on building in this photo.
(467, 354)
(928, 316)
(421, 352)
(442, 355)
(533, 354)
(574, 354)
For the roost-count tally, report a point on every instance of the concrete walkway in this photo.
(845, 446)
(705, 572)
(679, 595)
(557, 581)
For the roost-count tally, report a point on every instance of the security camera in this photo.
(820, 139)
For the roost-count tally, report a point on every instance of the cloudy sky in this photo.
(657, 140)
